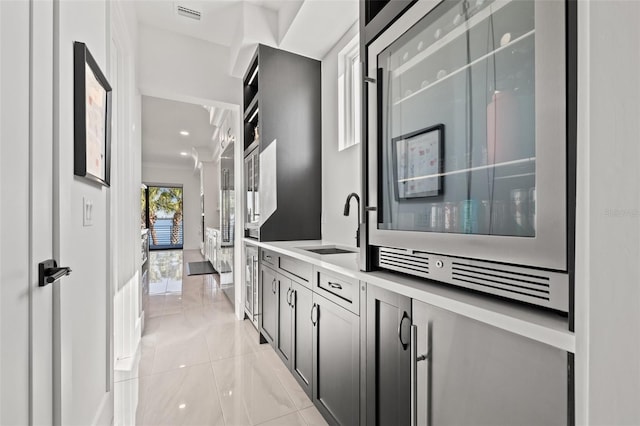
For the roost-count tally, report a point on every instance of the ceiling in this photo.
(162, 122)
(219, 21)
(306, 27)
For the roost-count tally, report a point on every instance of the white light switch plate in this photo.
(87, 212)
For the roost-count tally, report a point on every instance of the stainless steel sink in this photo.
(328, 250)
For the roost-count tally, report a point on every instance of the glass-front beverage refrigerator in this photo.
(467, 147)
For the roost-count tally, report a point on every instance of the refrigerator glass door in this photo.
(467, 132)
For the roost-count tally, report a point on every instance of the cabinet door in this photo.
(269, 304)
(284, 327)
(302, 344)
(478, 374)
(388, 357)
(336, 367)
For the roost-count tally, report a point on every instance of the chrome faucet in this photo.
(346, 213)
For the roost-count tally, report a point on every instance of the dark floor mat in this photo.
(200, 268)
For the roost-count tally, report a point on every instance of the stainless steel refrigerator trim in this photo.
(414, 379)
(548, 249)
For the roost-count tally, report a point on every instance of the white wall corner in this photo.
(244, 56)
(302, 36)
(236, 47)
(286, 16)
(258, 25)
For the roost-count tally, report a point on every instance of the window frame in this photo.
(349, 95)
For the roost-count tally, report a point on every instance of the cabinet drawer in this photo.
(342, 290)
(268, 257)
(295, 267)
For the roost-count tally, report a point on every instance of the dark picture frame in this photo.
(92, 118)
(415, 154)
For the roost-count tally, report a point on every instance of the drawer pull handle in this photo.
(335, 285)
(267, 258)
(313, 309)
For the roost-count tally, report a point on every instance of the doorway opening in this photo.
(162, 210)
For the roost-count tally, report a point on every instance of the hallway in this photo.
(198, 365)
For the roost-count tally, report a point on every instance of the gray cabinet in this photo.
(285, 319)
(294, 344)
(336, 362)
(302, 344)
(468, 372)
(388, 358)
(268, 304)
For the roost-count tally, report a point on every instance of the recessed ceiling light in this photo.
(184, 154)
(182, 406)
(184, 133)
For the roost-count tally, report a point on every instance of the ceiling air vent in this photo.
(188, 12)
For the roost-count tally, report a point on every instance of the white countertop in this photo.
(537, 324)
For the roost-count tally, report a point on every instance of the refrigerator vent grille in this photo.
(415, 264)
(501, 281)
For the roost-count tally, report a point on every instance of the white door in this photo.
(26, 212)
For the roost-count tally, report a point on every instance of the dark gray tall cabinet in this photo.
(282, 98)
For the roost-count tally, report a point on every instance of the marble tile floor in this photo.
(198, 365)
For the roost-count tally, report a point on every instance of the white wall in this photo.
(174, 64)
(340, 169)
(14, 220)
(84, 296)
(608, 229)
(125, 185)
(165, 175)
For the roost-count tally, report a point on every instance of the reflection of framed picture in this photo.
(417, 163)
(92, 118)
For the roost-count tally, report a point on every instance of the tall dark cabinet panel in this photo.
(388, 358)
(286, 108)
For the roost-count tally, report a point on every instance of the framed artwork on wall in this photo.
(92, 118)
(417, 163)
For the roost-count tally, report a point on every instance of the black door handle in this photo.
(48, 272)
